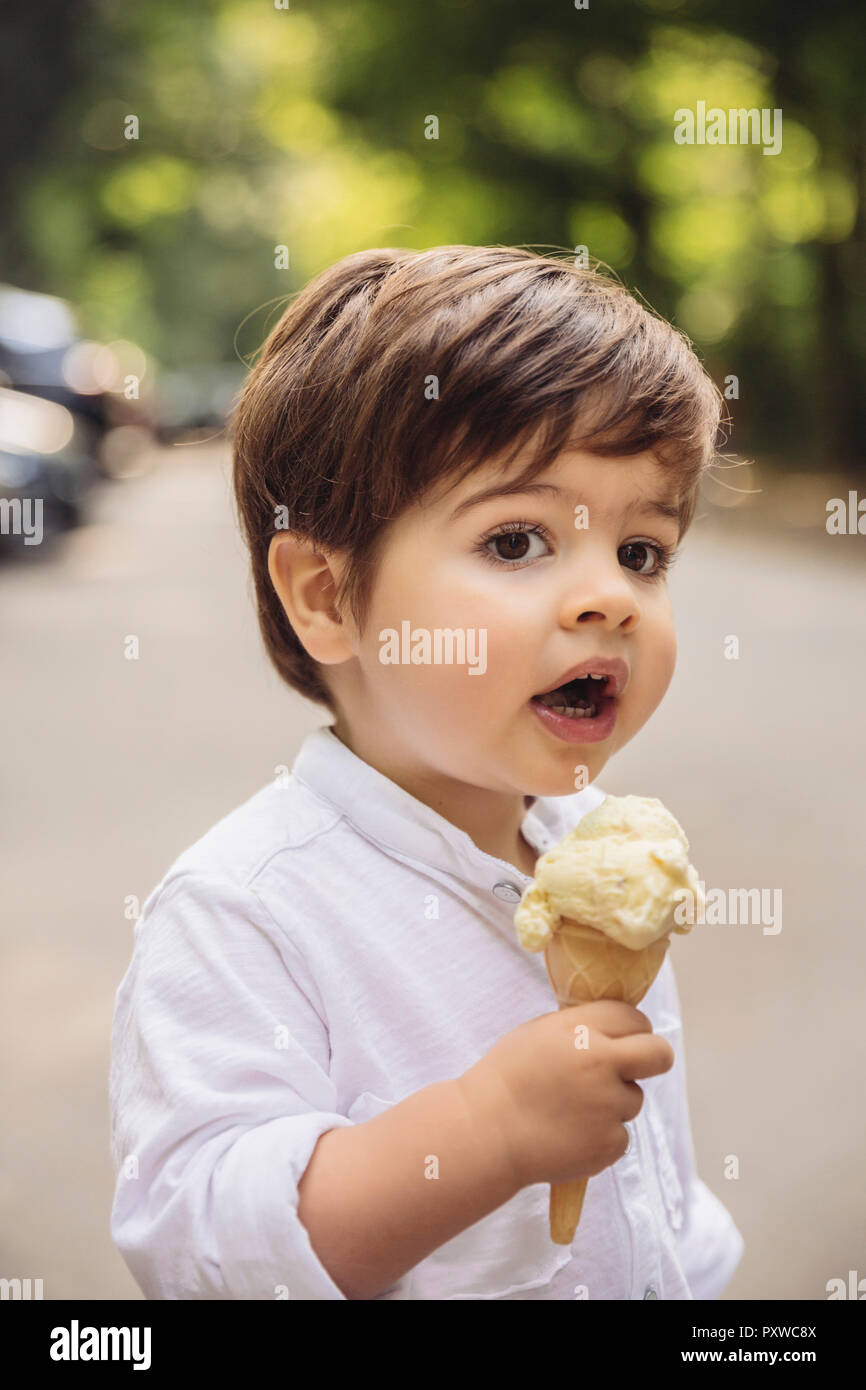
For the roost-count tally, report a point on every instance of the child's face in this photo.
(543, 599)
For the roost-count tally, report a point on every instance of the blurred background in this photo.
(168, 177)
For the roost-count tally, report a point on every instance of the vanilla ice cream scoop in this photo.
(622, 870)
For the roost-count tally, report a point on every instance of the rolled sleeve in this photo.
(219, 1092)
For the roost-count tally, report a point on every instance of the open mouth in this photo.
(581, 698)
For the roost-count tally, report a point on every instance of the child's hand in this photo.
(556, 1100)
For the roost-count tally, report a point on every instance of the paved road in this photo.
(111, 767)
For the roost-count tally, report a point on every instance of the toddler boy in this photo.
(462, 474)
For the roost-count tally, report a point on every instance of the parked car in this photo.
(56, 417)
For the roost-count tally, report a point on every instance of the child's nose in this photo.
(602, 593)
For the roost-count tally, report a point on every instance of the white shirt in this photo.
(325, 950)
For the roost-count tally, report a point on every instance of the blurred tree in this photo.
(49, 38)
(345, 123)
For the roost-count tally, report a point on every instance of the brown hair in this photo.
(336, 422)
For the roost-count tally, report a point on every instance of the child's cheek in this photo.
(655, 671)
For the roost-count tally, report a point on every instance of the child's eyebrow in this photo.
(646, 505)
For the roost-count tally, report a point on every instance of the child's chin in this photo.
(563, 781)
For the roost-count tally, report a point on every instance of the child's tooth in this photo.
(584, 711)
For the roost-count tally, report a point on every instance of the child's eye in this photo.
(648, 550)
(512, 544)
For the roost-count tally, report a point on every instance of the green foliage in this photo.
(309, 128)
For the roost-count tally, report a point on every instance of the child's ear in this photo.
(305, 580)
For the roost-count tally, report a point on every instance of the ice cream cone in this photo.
(584, 965)
(602, 906)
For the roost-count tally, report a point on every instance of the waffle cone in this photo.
(584, 965)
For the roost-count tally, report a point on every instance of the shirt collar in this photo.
(395, 820)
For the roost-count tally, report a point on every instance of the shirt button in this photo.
(650, 1292)
(508, 892)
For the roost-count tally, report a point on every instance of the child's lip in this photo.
(614, 668)
(579, 730)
